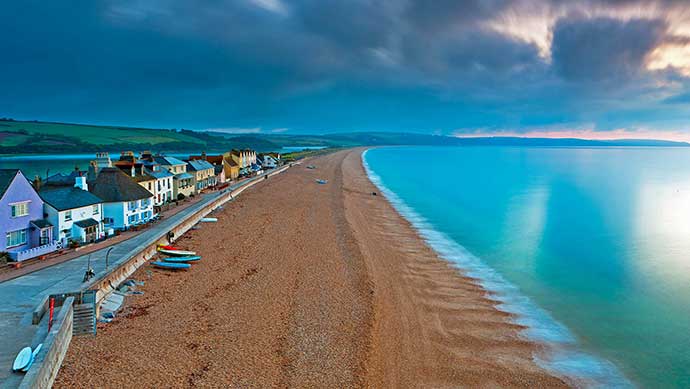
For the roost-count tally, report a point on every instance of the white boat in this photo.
(177, 253)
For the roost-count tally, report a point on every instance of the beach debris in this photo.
(321, 182)
(374, 194)
(311, 167)
(209, 219)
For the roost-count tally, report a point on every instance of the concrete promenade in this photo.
(19, 296)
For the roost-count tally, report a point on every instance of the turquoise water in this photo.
(591, 247)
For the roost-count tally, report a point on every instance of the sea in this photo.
(44, 165)
(588, 247)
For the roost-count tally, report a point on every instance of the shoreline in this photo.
(560, 352)
(309, 285)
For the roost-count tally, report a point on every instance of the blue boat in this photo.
(171, 265)
(23, 359)
(191, 258)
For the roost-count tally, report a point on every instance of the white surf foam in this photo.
(563, 356)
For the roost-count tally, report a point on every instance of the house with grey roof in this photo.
(125, 203)
(204, 174)
(74, 213)
(183, 181)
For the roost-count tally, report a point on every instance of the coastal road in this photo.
(19, 296)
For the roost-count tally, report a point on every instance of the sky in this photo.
(597, 69)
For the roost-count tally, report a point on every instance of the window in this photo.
(67, 233)
(132, 218)
(149, 186)
(132, 205)
(16, 238)
(20, 209)
(68, 216)
(95, 209)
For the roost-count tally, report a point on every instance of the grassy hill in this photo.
(37, 137)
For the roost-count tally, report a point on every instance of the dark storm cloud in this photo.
(263, 63)
(603, 48)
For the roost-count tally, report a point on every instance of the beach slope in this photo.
(307, 285)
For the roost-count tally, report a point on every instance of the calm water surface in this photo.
(597, 238)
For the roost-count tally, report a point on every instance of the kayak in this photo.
(23, 359)
(192, 258)
(165, 247)
(170, 265)
(177, 253)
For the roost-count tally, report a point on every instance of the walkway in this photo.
(19, 296)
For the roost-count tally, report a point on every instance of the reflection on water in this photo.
(598, 237)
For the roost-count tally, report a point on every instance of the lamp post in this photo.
(106, 257)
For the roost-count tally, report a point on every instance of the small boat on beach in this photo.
(170, 265)
(166, 247)
(192, 258)
(23, 359)
(177, 253)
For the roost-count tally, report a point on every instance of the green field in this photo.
(14, 133)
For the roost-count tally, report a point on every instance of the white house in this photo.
(267, 162)
(163, 187)
(125, 203)
(183, 182)
(75, 213)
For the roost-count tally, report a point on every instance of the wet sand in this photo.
(307, 285)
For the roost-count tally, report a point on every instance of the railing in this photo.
(23, 255)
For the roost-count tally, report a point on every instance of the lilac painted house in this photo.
(24, 233)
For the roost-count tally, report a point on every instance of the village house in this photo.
(125, 203)
(219, 171)
(226, 169)
(267, 161)
(26, 233)
(129, 164)
(75, 213)
(183, 182)
(203, 172)
(246, 159)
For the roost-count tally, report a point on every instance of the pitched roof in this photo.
(62, 179)
(159, 174)
(64, 198)
(198, 165)
(214, 159)
(6, 177)
(182, 176)
(168, 161)
(112, 185)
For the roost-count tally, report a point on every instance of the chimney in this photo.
(93, 171)
(203, 155)
(37, 182)
(80, 182)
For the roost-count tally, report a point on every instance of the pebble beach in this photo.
(308, 285)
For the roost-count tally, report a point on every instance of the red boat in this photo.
(168, 247)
